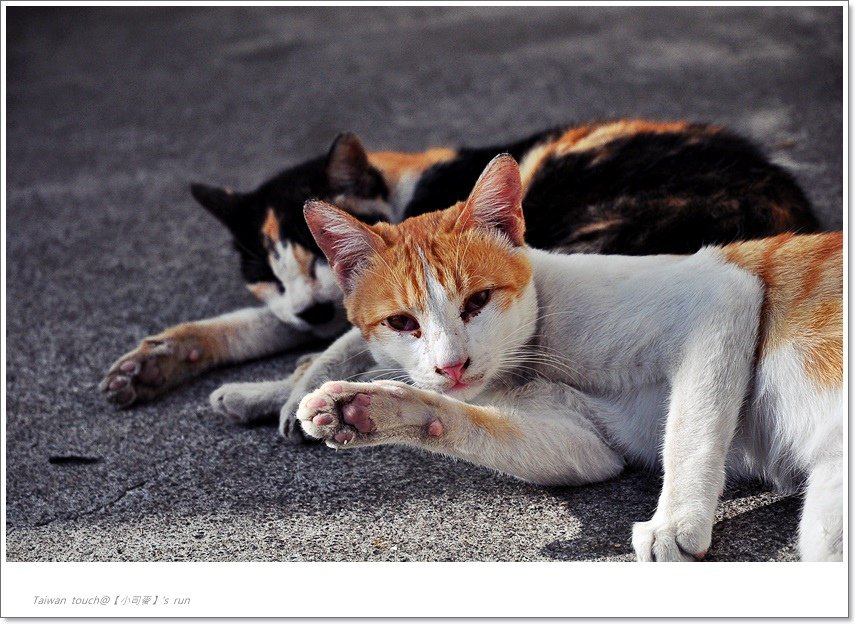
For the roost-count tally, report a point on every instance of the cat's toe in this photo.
(670, 540)
(118, 389)
(334, 415)
(137, 376)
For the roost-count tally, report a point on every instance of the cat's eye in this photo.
(474, 304)
(402, 323)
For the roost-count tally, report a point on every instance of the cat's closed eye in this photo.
(402, 323)
(474, 303)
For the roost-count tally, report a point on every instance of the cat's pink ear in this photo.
(495, 203)
(347, 164)
(346, 242)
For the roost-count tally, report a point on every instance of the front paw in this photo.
(149, 370)
(671, 539)
(289, 426)
(245, 403)
(344, 414)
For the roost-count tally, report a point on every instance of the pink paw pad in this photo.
(118, 382)
(194, 355)
(356, 413)
(128, 366)
(435, 429)
(322, 420)
(316, 402)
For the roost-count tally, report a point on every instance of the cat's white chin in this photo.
(465, 392)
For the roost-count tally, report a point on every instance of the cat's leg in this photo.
(708, 389)
(252, 402)
(821, 526)
(538, 434)
(345, 358)
(180, 352)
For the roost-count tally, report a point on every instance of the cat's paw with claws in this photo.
(345, 414)
(150, 369)
(671, 539)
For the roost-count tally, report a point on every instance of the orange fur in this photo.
(803, 276)
(262, 290)
(395, 164)
(211, 341)
(492, 422)
(465, 261)
(271, 226)
(304, 259)
(596, 136)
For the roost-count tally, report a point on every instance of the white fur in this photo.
(401, 193)
(302, 292)
(654, 357)
(446, 339)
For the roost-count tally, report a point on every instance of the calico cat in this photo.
(559, 369)
(628, 186)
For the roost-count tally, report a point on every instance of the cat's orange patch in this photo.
(803, 306)
(270, 228)
(211, 341)
(596, 228)
(595, 136)
(304, 259)
(395, 164)
(463, 262)
(263, 290)
(492, 422)
(533, 161)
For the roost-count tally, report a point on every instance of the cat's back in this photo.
(803, 304)
(639, 187)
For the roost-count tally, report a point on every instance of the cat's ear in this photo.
(347, 164)
(495, 203)
(346, 242)
(222, 203)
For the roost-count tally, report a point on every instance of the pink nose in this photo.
(453, 371)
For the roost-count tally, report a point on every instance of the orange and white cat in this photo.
(559, 369)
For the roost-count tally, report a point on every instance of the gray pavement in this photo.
(113, 111)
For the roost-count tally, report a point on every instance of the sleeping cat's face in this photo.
(448, 295)
(280, 261)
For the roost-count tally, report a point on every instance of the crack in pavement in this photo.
(94, 510)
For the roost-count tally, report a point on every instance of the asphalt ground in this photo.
(111, 112)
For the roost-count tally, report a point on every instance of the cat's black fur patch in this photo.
(447, 183)
(244, 213)
(660, 193)
(646, 193)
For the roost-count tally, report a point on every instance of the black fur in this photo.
(646, 193)
(661, 193)
(244, 213)
(447, 183)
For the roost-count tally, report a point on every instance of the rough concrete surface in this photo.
(113, 111)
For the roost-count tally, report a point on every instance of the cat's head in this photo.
(280, 261)
(447, 295)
